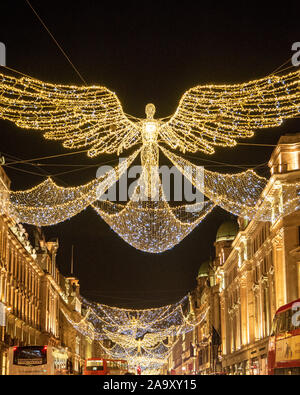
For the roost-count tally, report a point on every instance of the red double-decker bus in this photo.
(284, 343)
(103, 367)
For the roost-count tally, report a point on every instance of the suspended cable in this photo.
(47, 157)
(258, 145)
(222, 164)
(27, 171)
(53, 38)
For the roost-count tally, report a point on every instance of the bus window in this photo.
(281, 323)
(284, 322)
(105, 367)
(113, 365)
(274, 330)
(94, 366)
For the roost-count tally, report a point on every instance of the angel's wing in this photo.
(150, 340)
(89, 117)
(122, 340)
(208, 116)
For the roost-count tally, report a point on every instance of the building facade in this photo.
(261, 273)
(256, 270)
(20, 280)
(197, 352)
(38, 305)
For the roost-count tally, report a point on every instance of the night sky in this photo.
(145, 51)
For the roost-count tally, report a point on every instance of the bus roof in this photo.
(287, 306)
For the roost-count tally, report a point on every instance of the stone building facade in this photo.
(256, 270)
(261, 273)
(197, 352)
(20, 286)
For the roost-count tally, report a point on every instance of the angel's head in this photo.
(150, 111)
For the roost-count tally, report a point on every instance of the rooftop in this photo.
(227, 231)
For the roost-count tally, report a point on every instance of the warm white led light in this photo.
(207, 116)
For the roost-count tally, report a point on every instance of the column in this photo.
(224, 335)
(244, 310)
(250, 309)
(280, 275)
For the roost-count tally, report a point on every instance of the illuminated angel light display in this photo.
(93, 118)
(144, 338)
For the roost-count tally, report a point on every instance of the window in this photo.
(266, 309)
(264, 234)
(201, 357)
(254, 246)
(270, 259)
(9, 259)
(94, 366)
(283, 323)
(113, 365)
(4, 241)
(265, 266)
(287, 372)
(267, 229)
(256, 274)
(230, 301)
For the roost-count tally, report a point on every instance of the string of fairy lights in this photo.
(218, 115)
(92, 118)
(152, 226)
(149, 225)
(144, 338)
(207, 116)
(49, 204)
(78, 116)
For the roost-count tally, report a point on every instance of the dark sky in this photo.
(145, 51)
